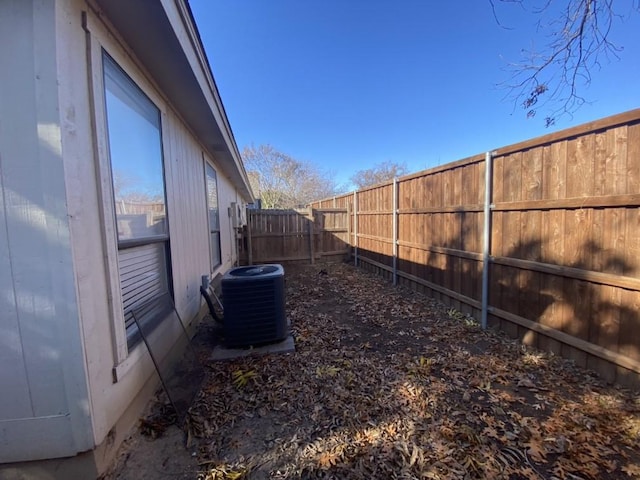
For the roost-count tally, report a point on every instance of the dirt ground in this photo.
(386, 383)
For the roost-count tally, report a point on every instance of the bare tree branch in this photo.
(495, 14)
(281, 181)
(379, 173)
(578, 42)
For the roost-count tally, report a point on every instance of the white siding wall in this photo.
(187, 213)
(44, 402)
(187, 210)
(91, 216)
(227, 235)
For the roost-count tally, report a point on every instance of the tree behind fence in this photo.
(564, 240)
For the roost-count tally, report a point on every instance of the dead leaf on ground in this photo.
(387, 383)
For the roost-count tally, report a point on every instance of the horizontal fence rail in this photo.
(559, 251)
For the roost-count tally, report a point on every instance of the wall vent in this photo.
(253, 299)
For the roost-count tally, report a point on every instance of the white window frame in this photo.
(211, 230)
(162, 274)
(124, 359)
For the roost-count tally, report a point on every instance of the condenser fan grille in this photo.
(254, 271)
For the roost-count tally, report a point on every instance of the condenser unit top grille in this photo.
(258, 271)
(262, 271)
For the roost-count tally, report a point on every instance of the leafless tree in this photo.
(379, 173)
(281, 181)
(577, 42)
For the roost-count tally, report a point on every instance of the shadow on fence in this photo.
(559, 219)
(585, 319)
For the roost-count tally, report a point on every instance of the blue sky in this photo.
(348, 84)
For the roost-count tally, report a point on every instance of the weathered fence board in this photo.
(564, 265)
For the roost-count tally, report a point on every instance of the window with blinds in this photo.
(143, 276)
(135, 151)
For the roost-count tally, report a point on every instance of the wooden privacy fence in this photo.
(548, 248)
(274, 236)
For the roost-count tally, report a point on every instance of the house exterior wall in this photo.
(184, 161)
(58, 246)
(44, 404)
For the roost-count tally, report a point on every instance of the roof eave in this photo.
(164, 37)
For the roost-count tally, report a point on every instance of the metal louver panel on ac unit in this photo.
(254, 301)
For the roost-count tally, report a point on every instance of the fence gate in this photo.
(275, 236)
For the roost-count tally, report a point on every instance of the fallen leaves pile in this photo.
(386, 383)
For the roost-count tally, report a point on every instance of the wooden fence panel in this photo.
(591, 238)
(374, 227)
(331, 227)
(440, 231)
(564, 266)
(275, 236)
(278, 235)
(344, 202)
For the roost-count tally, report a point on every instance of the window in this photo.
(214, 216)
(135, 151)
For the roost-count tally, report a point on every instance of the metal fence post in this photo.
(250, 217)
(349, 239)
(486, 243)
(355, 227)
(395, 231)
(311, 231)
